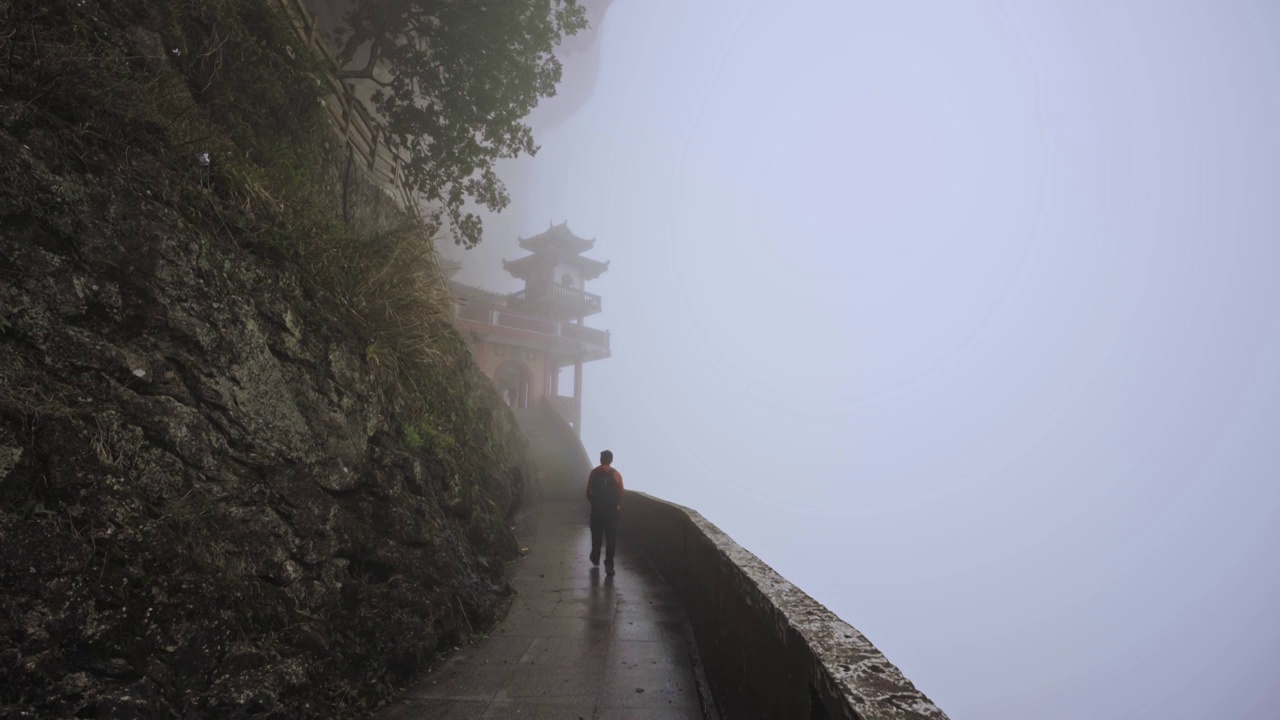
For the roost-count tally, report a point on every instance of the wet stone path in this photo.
(577, 644)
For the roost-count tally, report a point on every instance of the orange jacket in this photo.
(617, 479)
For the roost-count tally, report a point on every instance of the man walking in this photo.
(604, 491)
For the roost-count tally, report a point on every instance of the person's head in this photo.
(606, 457)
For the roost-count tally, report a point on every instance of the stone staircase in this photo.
(560, 458)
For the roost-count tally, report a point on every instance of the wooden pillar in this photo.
(577, 387)
(577, 396)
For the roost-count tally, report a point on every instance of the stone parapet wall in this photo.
(770, 650)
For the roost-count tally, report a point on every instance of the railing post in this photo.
(312, 32)
(348, 110)
(373, 146)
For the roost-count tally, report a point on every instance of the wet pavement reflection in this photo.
(577, 644)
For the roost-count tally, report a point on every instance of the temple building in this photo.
(524, 340)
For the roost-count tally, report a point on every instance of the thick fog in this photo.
(965, 317)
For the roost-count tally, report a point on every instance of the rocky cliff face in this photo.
(211, 503)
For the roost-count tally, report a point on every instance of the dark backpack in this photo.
(604, 489)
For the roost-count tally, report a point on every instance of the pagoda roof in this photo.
(523, 267)
(559, 239)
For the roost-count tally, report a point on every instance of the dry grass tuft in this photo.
(387, 277)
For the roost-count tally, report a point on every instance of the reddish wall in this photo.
(491, 356)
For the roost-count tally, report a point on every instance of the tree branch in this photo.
(364, 73)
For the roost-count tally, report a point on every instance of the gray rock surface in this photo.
(207, 504)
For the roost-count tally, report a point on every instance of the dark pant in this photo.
(604, 525)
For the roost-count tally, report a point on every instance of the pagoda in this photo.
(523, 340)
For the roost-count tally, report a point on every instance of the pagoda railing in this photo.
(585, 334)
(475, 313)
(559, 292)
(503, 317)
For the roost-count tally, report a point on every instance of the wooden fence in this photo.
(351, 119)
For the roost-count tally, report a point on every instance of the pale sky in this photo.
(965, 317)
